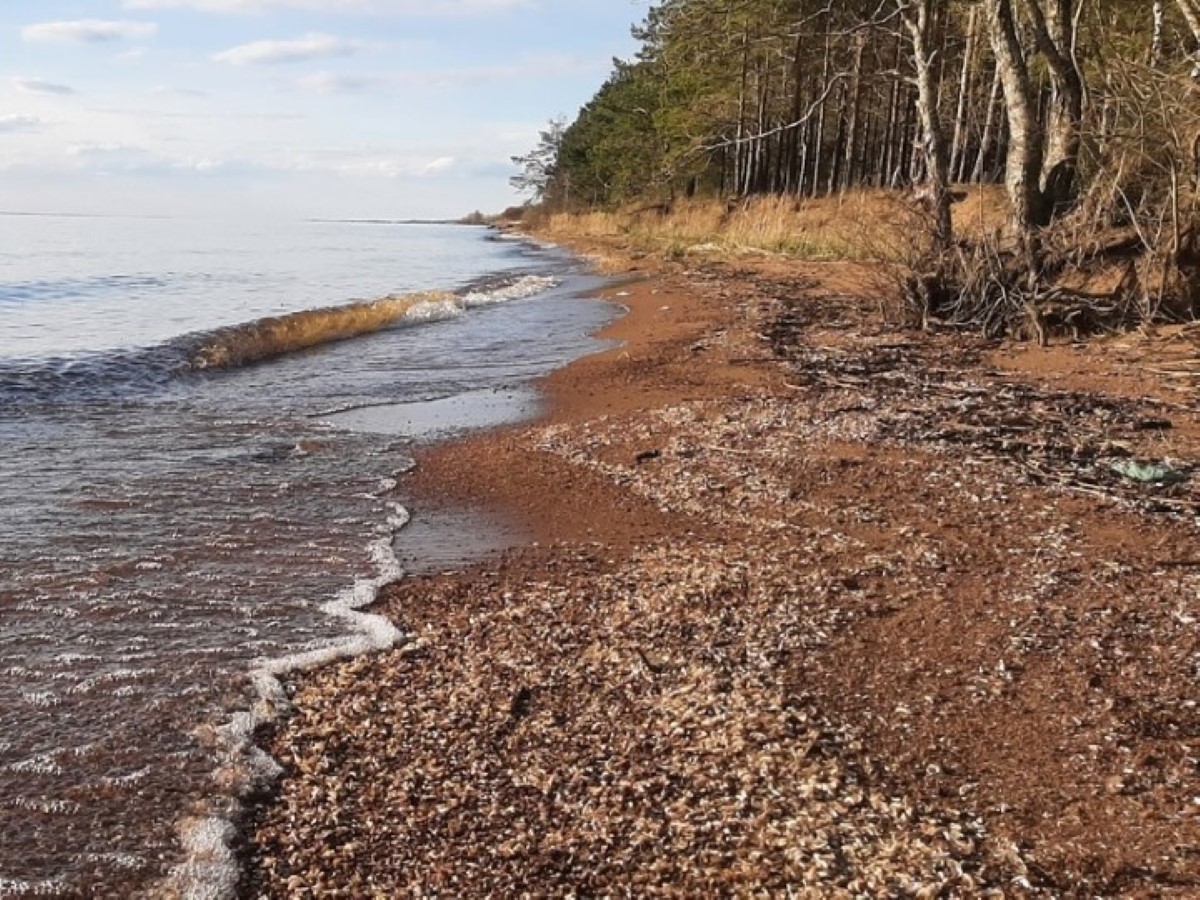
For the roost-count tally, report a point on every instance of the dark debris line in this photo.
(928, 392)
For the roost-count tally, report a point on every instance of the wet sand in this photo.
(813, 605)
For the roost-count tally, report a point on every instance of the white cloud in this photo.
(37, 86)
(13, 123)
(372, 7)
(533, 68)
(109, 154)
(371, 164)
(333, 83)
(124, 159)
(439, 165)
(88, 31)
(302, 49)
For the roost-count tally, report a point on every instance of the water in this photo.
(201, 426)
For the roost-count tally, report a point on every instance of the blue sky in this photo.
(295, 108)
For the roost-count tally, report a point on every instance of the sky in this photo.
(289, 108)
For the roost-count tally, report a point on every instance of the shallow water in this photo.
(166, 527)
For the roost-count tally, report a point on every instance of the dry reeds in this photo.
(857, 225)
(864, 225)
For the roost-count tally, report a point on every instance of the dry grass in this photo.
(866, 225)
(858, 225)
(981, 215)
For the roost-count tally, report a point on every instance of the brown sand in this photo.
(817, 608)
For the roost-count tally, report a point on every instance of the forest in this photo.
(1087, 112)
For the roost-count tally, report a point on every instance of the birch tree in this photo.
(1053, 25)
(1024, 160)
(923, 22)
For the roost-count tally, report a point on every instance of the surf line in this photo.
(210, 868)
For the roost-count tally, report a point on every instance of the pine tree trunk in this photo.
(957, 146)
(739, 148)
(853, 112)
(904, 164)
(798, 137)
(819, 142)
(989, 128)
(890, 151)
(835, 171)
(871, 152)
(762, 155)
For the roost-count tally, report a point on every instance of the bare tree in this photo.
(923, 21)
(989, 126)
(1191, 14)
(538, 169)
(957, 153)
(1053, 26)
(1024, 161)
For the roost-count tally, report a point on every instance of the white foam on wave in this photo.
(42, 764)
(210, 870)
(434, 310)
(47, 807)
(527, 286)
(127, 861)
(449, 307)
(41, 699)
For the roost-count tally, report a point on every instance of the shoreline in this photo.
(744, 551)
(658, 322)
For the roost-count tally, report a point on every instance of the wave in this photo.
(263, 339)
(503, 291)
(121, 373)
(87, 377)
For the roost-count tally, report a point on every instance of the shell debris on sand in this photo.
(902, 642)
(629, 729)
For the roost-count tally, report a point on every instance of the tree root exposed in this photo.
(1002, 295)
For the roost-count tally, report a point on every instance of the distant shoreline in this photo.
(389, 222)
(38, 214)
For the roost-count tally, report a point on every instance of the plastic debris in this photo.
(1147, 473)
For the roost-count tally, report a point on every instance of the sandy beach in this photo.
(812, 605)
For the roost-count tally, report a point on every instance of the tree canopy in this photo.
(1082, 108)
(737, 97)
